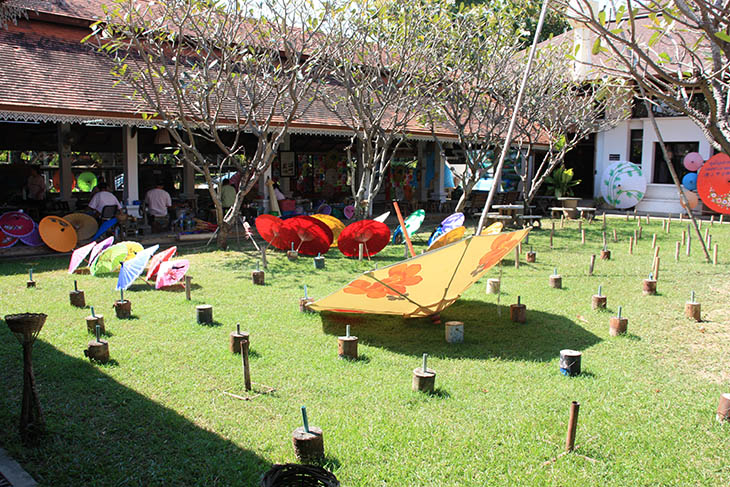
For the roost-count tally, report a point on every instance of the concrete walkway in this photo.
(12, 474)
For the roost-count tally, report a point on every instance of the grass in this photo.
(157, 414)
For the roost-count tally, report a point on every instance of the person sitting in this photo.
(157, 201)
(103, 198)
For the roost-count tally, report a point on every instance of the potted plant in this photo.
(561, 181)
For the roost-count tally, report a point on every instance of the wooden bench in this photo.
(533, 220)
(586, 212)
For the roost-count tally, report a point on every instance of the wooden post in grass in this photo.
(244, 362)
(689, 245)
(347, 345)
(592, 264)
(656, 252)
(583, 237)
(649, 285)
(98, 349)
(77, 297)
(676, 251)
(627, 216)
(664, 225)
(714, 255)
(308, 441)
(517, 258)
(615, 237)
(93, 320)
(604, 220)
(653, 240)
(631, 245)
(722, 217)
(656, 268)
(693, 309)
(562, 221)
(648, 219)
(572, 426)
(492, 286)
(617, 325)
(580, 225)
(424, 378)
(188, 285)
(570, 362)
(235, 339)
(518, 312)
(669, 224)
(598, 301)
(552, 233)
(640, 230)
(604, 240)
(204, 313)
(636, 236)
(556, 280)
(684, 237)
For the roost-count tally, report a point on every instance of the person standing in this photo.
(35, 185)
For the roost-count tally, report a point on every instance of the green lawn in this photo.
(157, 415)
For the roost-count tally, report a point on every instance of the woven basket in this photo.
(295, 475)
(26, 326)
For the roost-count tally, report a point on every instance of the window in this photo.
(636, 146)
(677, 151)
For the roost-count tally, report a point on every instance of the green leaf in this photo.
(596, 46)
(722, 36)
(665, 57)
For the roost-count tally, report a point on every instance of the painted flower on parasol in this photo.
(623, 184)
(133, 268)
(171, 272)
(308, 235)
(158, 259)
(497, 250)
(374, 236)
(399, 279)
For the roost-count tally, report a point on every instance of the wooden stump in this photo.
(347, 347)
(258, 277)
(423, 381)
(693, 310)
(319, 262)
(204, 313)
(454, 331)
(30, 284)
(123, 308)
(518, 313)
(649, 287)
(556, 281)
(77, 299)
(605, 255)
(570, 362)
(617, 326)
(235, 339)
(723, 408)
(530, 257)
(598, 302)
(304, 305)
(92, 321)
(308, 446)
(292, 255)
(493, 286)
(98, 351)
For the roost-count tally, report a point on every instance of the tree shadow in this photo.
(488, 333)
(100, 432)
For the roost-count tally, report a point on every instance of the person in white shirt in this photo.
(103, 198)
(157, 201)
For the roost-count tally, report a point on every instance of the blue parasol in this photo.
(104, 227)
(133, 268)
(449, 223)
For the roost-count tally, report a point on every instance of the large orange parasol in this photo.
(423, 285)
(57, 233)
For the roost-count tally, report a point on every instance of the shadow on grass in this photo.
(103, 433)
(486, 333)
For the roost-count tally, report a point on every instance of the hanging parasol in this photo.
(693, 161)
(79, 255)
(623, 184)
(171, 272)
(713, 183)
(158, 259)
(447, 224)
(86, 181)
(373, 235)
(16, 224)
(382, 218)
(57, 233)
(6, 241)
(85, 225)
(133, 248)
(133, 268)
(33, 239)
(493, 229)
(98, 248)
(109, 260)
(105, 225)
(56, 180)
(413, 223)
(270, 229)
(334, 224)
(308, 235)
(423, 285)
(349, 211)
(453, 235)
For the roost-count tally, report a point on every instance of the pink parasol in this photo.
(103, 245)
(79, 255)
(170, 272)
(158, 259)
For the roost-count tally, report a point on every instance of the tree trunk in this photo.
(224, 229)
(468, 187)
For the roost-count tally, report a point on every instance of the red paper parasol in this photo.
(6, 241)
(309, 235)
(270, 229)
(158, 259)
(713, 183)
(374, 235)
(16, 224)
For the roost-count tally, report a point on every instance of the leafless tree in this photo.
(215, 73)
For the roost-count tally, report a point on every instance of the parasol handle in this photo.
(403, 228)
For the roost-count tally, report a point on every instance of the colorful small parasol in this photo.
(373, 235)
(85, 225)
(33, 239)
(133, 248)
(56, 180)
(334, 224)
(171, 272)
(693, 161)
(447, 224)
(86, 181)
(133, 268)
(692, 199)
(689, 181)
(6, 241)
(109, 260)
(623, 184)
(349, 211)
(16, 224)
(270, 229)
(106, 225)
(382, 218)
(78, 256)
(57, 233)
(413, 223)
(713, 183)
(308, 235)
(98, 248)
(493, 229)
(158, 259)
(453, 235)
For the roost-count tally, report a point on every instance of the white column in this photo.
(64, 160)
(439, 160)
(188, 180)
(131, 170)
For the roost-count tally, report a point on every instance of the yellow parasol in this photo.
(133, 248)
(447, 238)
(493, 229)
(334, 224)
(423, 285)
